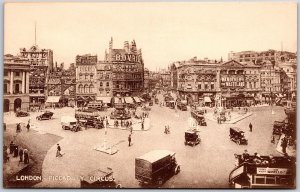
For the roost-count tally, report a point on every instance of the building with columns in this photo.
(41, 64)
(228, 83)
(86, 78)
(16, 83)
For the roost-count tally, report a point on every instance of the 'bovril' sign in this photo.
(128, 57)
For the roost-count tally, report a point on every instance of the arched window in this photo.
(86, 89)
(91, 88)
(80, 89)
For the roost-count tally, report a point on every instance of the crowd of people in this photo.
(15, 151)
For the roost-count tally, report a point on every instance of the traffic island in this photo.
(111, 150)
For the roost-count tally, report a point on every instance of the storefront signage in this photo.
(232, 81)
(128, 57)
(272, 171)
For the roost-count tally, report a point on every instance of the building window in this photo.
(101, 84)
(17, 74)
(107, 84)
(212, 86)
(5, 87)
(91, 89)
(205, 86)
(5, 73)
(17, 86)
(199, 86)
(80, 89)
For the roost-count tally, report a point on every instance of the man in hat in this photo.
(250, 127)
(246, 155)
(58, 154)
(129, 140)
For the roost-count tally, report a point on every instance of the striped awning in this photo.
(104, 99)
(128, 100)
(53, 99)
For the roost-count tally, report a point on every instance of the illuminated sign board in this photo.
(273, 171)
(232, 81)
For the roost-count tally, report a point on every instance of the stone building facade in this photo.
(86, 78)
(41, 64)
(15, 83)
(127, 69)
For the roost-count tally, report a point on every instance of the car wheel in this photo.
(160, 181)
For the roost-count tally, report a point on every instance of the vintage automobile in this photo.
(45, 116)
(69, 123)
(280, 170)
(192, 137)
(278, 126)
(170, 104)
(237, 136)
(198, 116)
(99, 178)
(151, 103)
(94, 123)
(181, 106)
(155, 167)
(20, 113)
(96, 105)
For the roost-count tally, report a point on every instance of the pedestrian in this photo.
(11, 147)
(250, 127)
(16, 151)
(21, 155)
(28, 126)
(26, 156)
(58, 154)
(143, 125)
(18, 128)
(284, 145)
(129, 140)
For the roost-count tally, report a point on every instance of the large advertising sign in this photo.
(232, 81)
(273, 171)
(128, 58)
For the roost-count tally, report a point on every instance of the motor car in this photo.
(191, 137)
(45, 116)
(21, 113)
(156, 167)
(237, 136)
(99, 178)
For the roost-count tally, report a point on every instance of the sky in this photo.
(166, 32)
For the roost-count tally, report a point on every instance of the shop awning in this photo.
(128, 100)
(104, 99)
(207, 100)
(53, 99)
(136, 99)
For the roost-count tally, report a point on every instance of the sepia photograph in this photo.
(133, 95)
